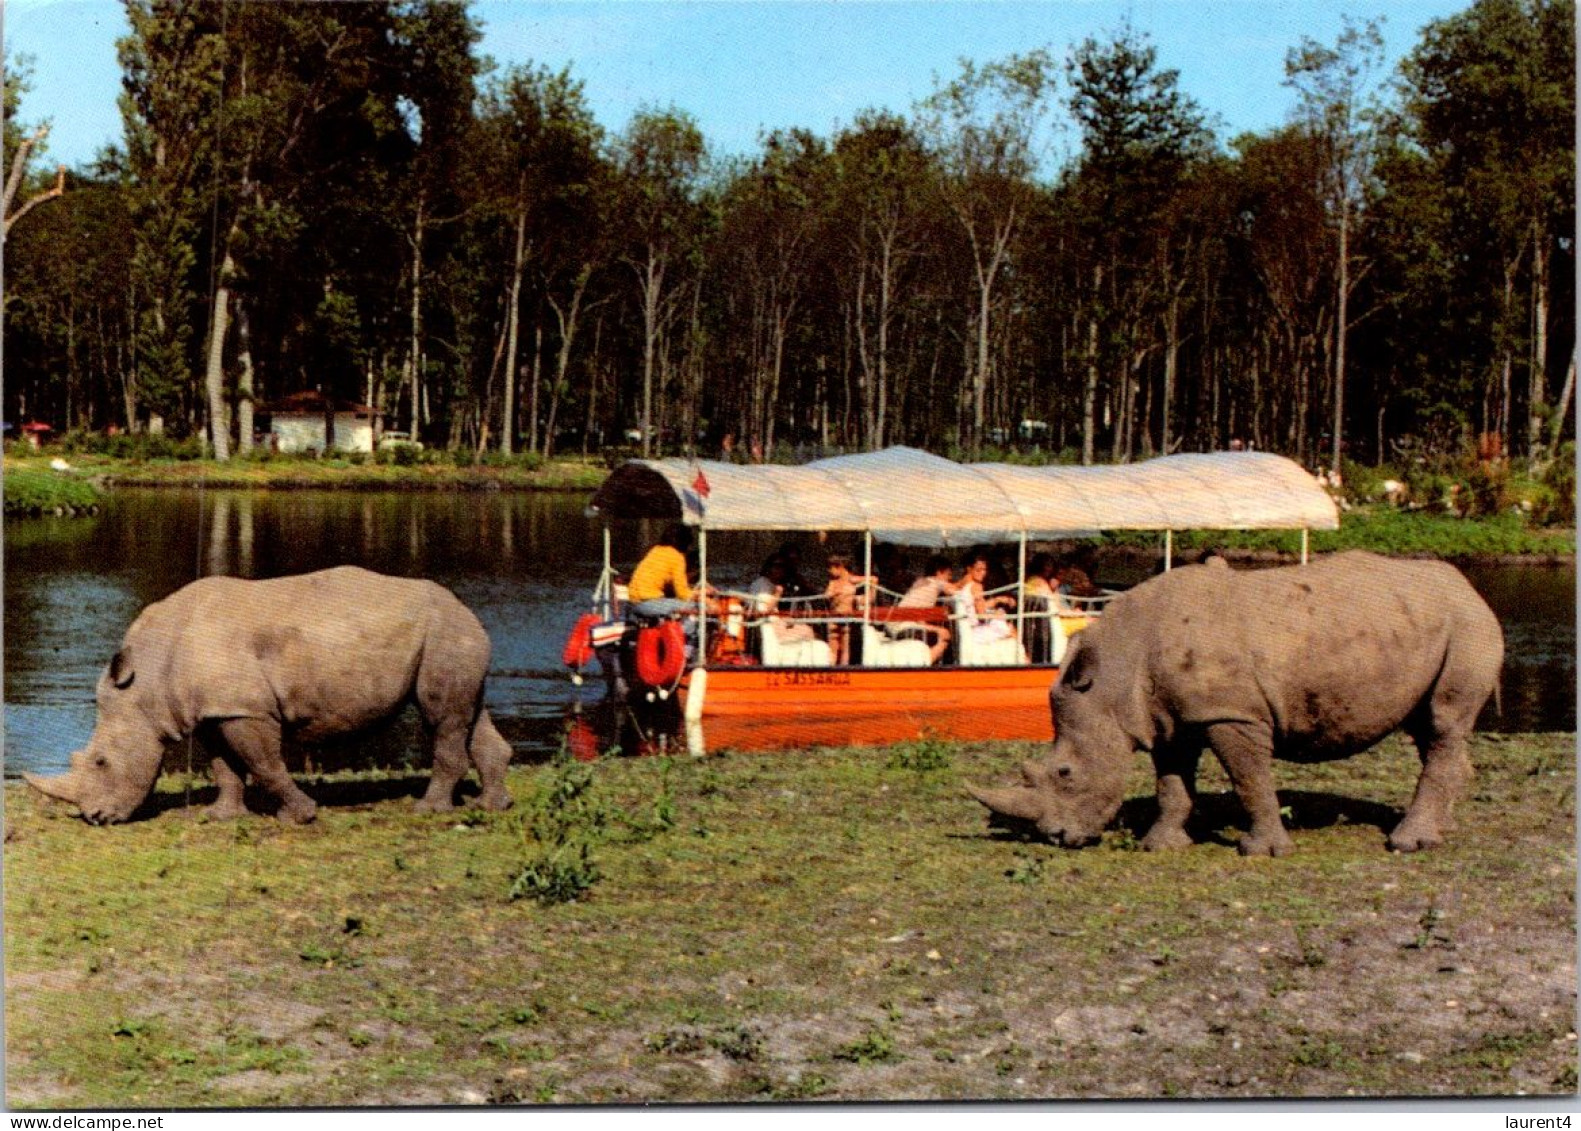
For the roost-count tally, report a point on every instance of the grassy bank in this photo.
(1384, 530)
(837, 925)
(389, 471)
(1380, 528)
(38, 489)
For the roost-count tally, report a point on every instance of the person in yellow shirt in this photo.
(658, 585)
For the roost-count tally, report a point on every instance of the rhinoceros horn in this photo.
(1019, 802)
(62, 787)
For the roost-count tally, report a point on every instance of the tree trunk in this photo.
(537, 383)
(1537, 393)
(214, 372)
(652, 282)
(513, 333)
(1341, 332)
(1171, 360)
(244, 381)
(1563, 408)
(1089, 396)
(414, 356)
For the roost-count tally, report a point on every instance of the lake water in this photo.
(525, 563)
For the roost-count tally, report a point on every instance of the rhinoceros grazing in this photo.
(1306, 663)
(312, 656)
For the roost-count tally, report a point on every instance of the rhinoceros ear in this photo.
(121, 673)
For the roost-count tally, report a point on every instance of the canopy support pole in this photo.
(604, 592)
(1021, 588)
(1304, 545)
(869, 590)
(1169, 550)
(702, 595)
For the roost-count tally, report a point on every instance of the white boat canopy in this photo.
(913, 498)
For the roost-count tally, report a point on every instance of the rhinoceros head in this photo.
(1073, 793)
(111, 776)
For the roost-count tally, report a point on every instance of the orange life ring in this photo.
(661, 654)
(578, 646)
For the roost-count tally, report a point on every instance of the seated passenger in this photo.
(659, 585)
(1040, 577)
(990, 623)
(765, 594)
(846, 593)
(925, 593)
(1074, 578)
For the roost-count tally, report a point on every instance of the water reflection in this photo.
(524, 563)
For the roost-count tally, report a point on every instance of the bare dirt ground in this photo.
(832, 926)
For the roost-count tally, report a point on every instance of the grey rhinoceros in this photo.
(312, 656)
(1305, 663)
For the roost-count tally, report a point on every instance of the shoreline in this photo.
(33, 488)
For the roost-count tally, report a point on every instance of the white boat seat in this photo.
(776, 653)
(1044, 634)
(976, 648)
(880, 650)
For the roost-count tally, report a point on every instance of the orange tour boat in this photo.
(742, 683)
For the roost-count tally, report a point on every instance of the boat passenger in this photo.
(847, 596)
(1039, 601)
(659, 586)
(793, 585)
(765, 594)
(1075, 576)
(925, 593)
(972, 581)
(1040, 577)
(894, 575)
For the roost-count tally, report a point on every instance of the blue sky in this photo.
(741, 66)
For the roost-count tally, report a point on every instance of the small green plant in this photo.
(560, 875)
(1314, 1053)
(1027, 870)
(1428, 933)
(876, 1047)
(563, 822)
(921, 755)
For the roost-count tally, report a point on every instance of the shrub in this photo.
(1560, 480)
(44, 492)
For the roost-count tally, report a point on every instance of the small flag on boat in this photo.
(700, 484)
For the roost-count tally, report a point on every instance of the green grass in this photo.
(41, 490)
(831, 924)
(1384, 530)
(436, 471)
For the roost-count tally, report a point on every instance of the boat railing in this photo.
(1042, 627)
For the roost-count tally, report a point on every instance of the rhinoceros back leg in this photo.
(256, 745)
(491, 754)
(1247, 752)
(449, 694)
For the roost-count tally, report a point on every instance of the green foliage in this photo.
(568, 818)
(47, 492)
(927, 754)
(138, 447)
(877, 1046)
(565, 819)
(1558, 505)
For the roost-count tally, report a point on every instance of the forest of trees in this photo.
(1054, 248)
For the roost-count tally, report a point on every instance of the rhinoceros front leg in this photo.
(1446, 769)
(1247, 752)
(1176, 767)
(229, 804)
(256, 745)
